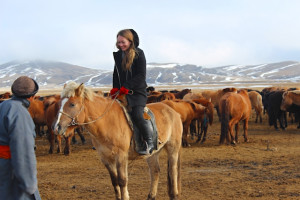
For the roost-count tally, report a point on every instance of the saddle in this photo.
(137, 139)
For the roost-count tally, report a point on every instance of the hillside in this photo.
(51, 74)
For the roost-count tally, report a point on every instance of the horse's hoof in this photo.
(150, 198)
(233, 143)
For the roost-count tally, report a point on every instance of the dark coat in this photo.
(272, 102)
(134, 79)
(18, 175)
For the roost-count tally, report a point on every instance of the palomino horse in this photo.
(234, 107)
(111, 134)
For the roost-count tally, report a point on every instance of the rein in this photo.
(75, 123)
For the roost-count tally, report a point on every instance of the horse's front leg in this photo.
(154, 174)
(112, 169)
(67, 148)
(58, 143)
(51, 139)
(122, 166)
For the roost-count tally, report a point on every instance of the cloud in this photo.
(195, 32)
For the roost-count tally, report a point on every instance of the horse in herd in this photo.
(188, 111)
(231, 115)
(215, 96)
(177, 114)
(43, 111)
(257, 105)
(201, 126)
(103, 116)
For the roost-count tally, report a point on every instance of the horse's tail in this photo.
(211, 113)
(178, 177)
(224, 121)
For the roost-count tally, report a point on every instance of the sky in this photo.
(205, 33)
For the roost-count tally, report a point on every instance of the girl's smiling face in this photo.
(123, 43)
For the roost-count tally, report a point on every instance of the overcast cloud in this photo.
(205, 33)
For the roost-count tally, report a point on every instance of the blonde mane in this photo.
(70, 88)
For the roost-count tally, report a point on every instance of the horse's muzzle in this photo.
(57, 129)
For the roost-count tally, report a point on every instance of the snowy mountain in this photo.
(54, 74)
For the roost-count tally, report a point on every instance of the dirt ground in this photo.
(265, 168)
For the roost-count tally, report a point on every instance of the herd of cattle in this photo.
(195, 108)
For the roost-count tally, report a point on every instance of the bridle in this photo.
(74, 121)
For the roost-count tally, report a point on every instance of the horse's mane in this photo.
(70, 88)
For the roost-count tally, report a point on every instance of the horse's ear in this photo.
(65, 85)
(79, 90)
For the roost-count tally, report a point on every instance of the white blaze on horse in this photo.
(111, 134)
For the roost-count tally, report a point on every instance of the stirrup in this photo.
(148, 150)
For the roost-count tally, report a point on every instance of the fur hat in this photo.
(136, 39)
(24, 87)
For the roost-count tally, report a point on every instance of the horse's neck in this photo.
(102, 112)
(96, 107)
(107, 123)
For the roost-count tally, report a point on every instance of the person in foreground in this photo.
(129, 78)
(18, 173)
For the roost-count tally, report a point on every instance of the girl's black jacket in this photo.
(134, 79)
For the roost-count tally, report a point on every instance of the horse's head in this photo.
(71, 108)
(286, 101)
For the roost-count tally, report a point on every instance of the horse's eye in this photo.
(72, 105)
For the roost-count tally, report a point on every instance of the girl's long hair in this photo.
(130, 52)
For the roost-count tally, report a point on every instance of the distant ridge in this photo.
(51, 74)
